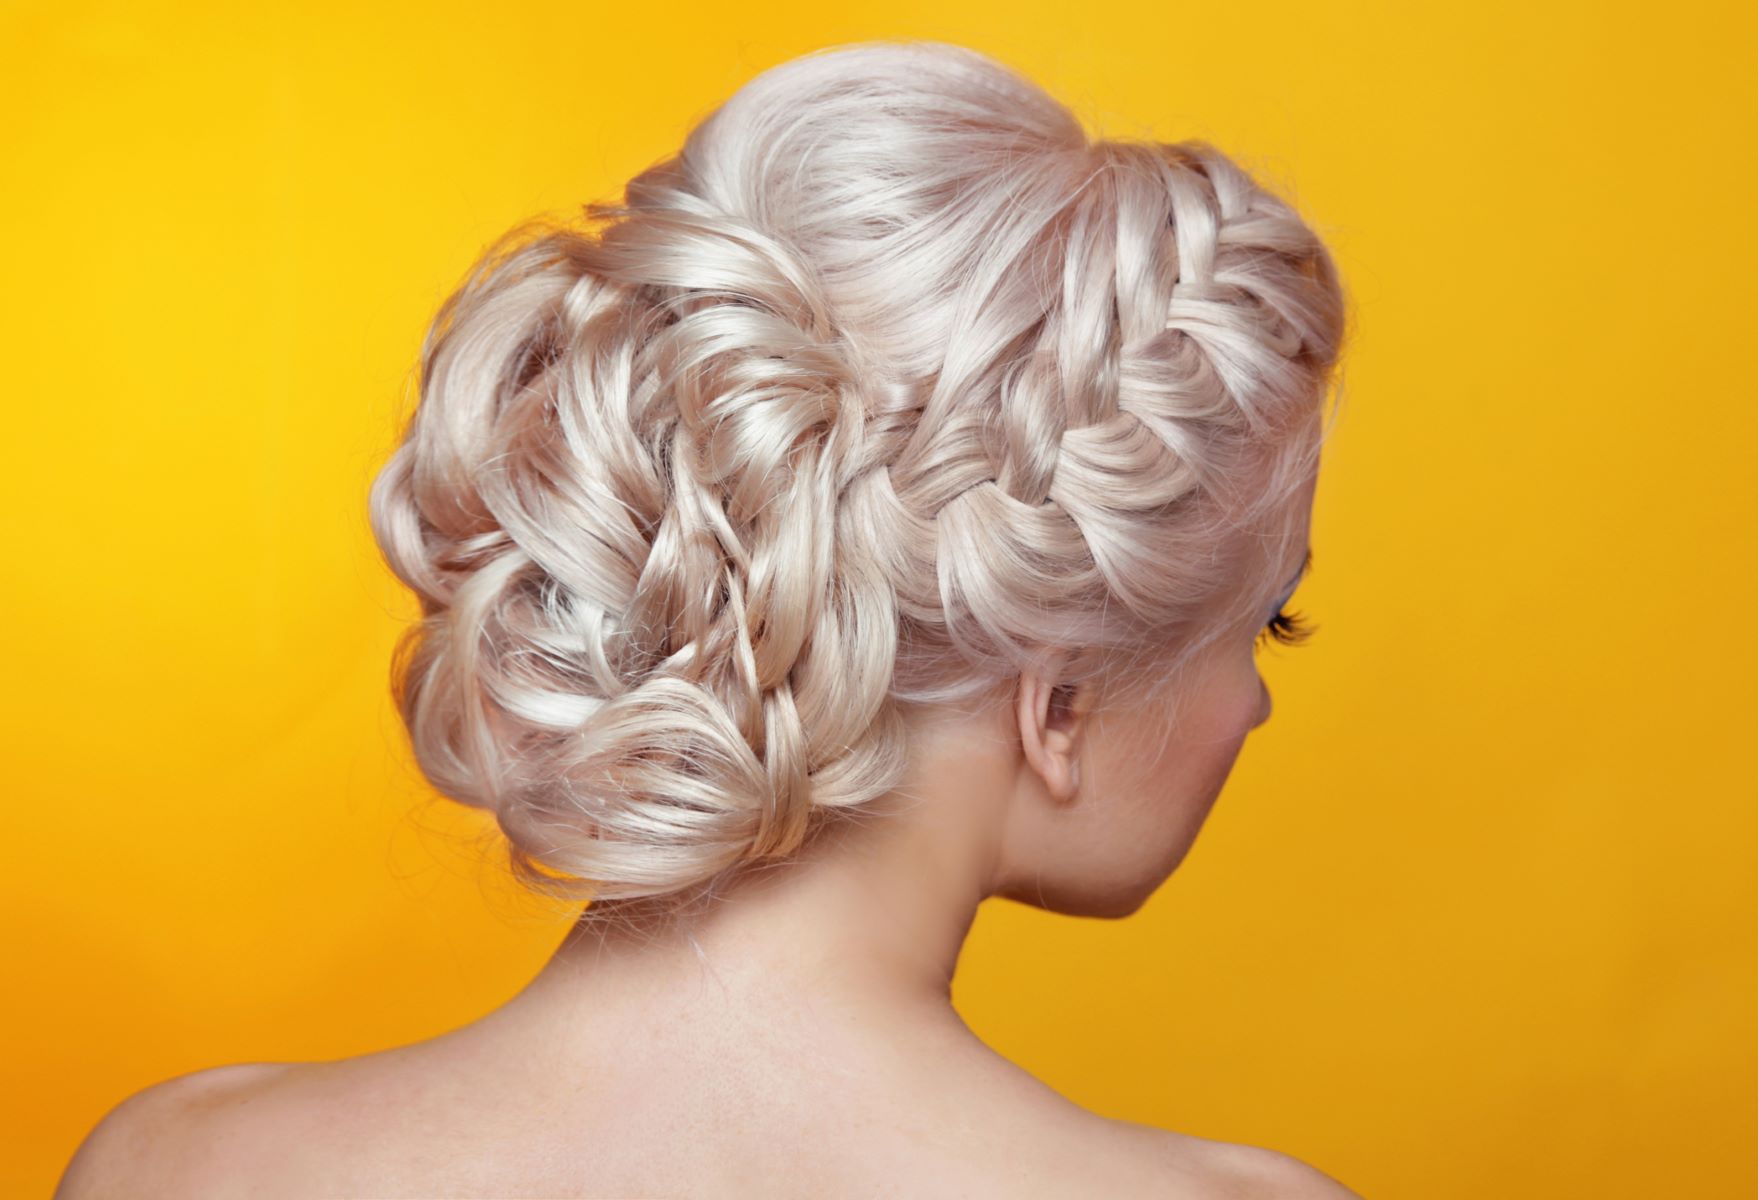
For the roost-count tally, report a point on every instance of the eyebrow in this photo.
(1305, 568)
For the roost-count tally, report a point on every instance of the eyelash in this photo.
(1290, 629)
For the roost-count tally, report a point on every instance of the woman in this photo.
(875, 512)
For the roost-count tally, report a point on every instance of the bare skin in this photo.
(797, 1038)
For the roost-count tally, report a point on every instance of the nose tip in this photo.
(1264, 706)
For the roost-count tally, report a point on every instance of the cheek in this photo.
(1229, 713)
(1190, 758)
(1172, 795)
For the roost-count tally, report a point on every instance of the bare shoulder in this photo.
(1177, 1165)
(1256, 1171)
(1063, 1148)
(161, 1140)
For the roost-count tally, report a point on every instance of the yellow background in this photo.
(1475, 916)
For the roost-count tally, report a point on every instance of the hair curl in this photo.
(886, 382)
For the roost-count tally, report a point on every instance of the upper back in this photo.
(404, 1124)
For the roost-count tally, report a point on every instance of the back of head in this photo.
(888, 381)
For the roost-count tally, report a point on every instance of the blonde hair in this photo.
(888, 382)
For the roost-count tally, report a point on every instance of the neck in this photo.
(866, 922)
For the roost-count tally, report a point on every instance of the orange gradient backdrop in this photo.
(1475, 915)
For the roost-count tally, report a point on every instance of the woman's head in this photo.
(891, 389)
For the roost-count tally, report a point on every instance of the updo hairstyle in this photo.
(888, 381)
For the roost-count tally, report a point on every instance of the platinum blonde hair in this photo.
(887, 384)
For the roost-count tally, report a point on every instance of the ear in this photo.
(1052, 719)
